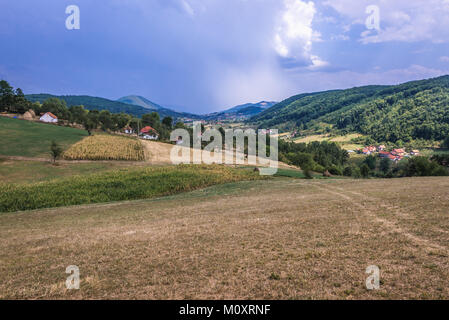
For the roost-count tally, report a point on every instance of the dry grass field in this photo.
(274, 239)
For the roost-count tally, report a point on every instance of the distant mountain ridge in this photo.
(243, 111)
(98, 103)
(140, 101)
(405, 112)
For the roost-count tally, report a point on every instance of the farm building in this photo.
(49, 117)
(129, 130)
(149, 133)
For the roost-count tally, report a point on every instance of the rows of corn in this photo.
(106, 147)
(117, 185)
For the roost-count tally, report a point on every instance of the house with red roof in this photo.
(49, 118)
(398, 152)
(149, 133)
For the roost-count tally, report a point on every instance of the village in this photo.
(395, 155)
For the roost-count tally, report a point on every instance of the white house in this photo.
(49, 117)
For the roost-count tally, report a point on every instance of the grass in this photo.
(15, 171)
(296, 174)
(117, 185)
(106, 147)
(266, 239)
(345, 141)
(33, 139)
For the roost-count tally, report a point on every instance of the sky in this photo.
(203, 56)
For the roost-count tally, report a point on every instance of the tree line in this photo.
(14, 101)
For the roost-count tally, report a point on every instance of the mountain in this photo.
(140, 101)
(98, 103)
(405, 112)
(147, 104)
(243, 111)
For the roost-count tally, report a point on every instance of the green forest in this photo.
(417, 110)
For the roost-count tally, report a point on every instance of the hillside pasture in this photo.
(32, 139)
(106, 147)
(344, 141)
(30, 171)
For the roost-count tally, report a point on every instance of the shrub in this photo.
(336, 171)
(348, 171)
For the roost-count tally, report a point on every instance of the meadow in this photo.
(106, 147)
(30, 171)
(33, 139)
(117, 185)
(345, 141)
(280, 238)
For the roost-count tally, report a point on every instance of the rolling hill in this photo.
(405, 112)
(243, 111)
(98, 103)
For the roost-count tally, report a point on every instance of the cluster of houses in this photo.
(394, 155)
(147, 133)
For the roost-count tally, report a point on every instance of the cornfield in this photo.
(106, 147)
(117, 185)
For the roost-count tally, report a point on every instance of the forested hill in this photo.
(413, 110)
(98, 103)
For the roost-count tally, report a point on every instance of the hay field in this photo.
(106, 147)
(274, 239)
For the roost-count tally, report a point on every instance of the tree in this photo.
(55, 151)
(385, 165)
(347, 172)
(151, 119)
(120, 120)
(57, 107)
(7, 96)
(89, 125)
(78, 114)
(168, 122)
(135, 124)
(445, 143)
(365, 170)
(106, 120)
(370, 162)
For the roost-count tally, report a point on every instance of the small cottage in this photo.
(49, 118)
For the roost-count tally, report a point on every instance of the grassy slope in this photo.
(118, 185)
(39, 171)
(227, 242)
(31, 139)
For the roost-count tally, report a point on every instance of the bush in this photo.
(445, 143)
(336, 171)
(356, 173)
(422, 166)
(348, 171)
(365, 170)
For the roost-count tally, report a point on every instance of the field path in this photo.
(358, 198)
